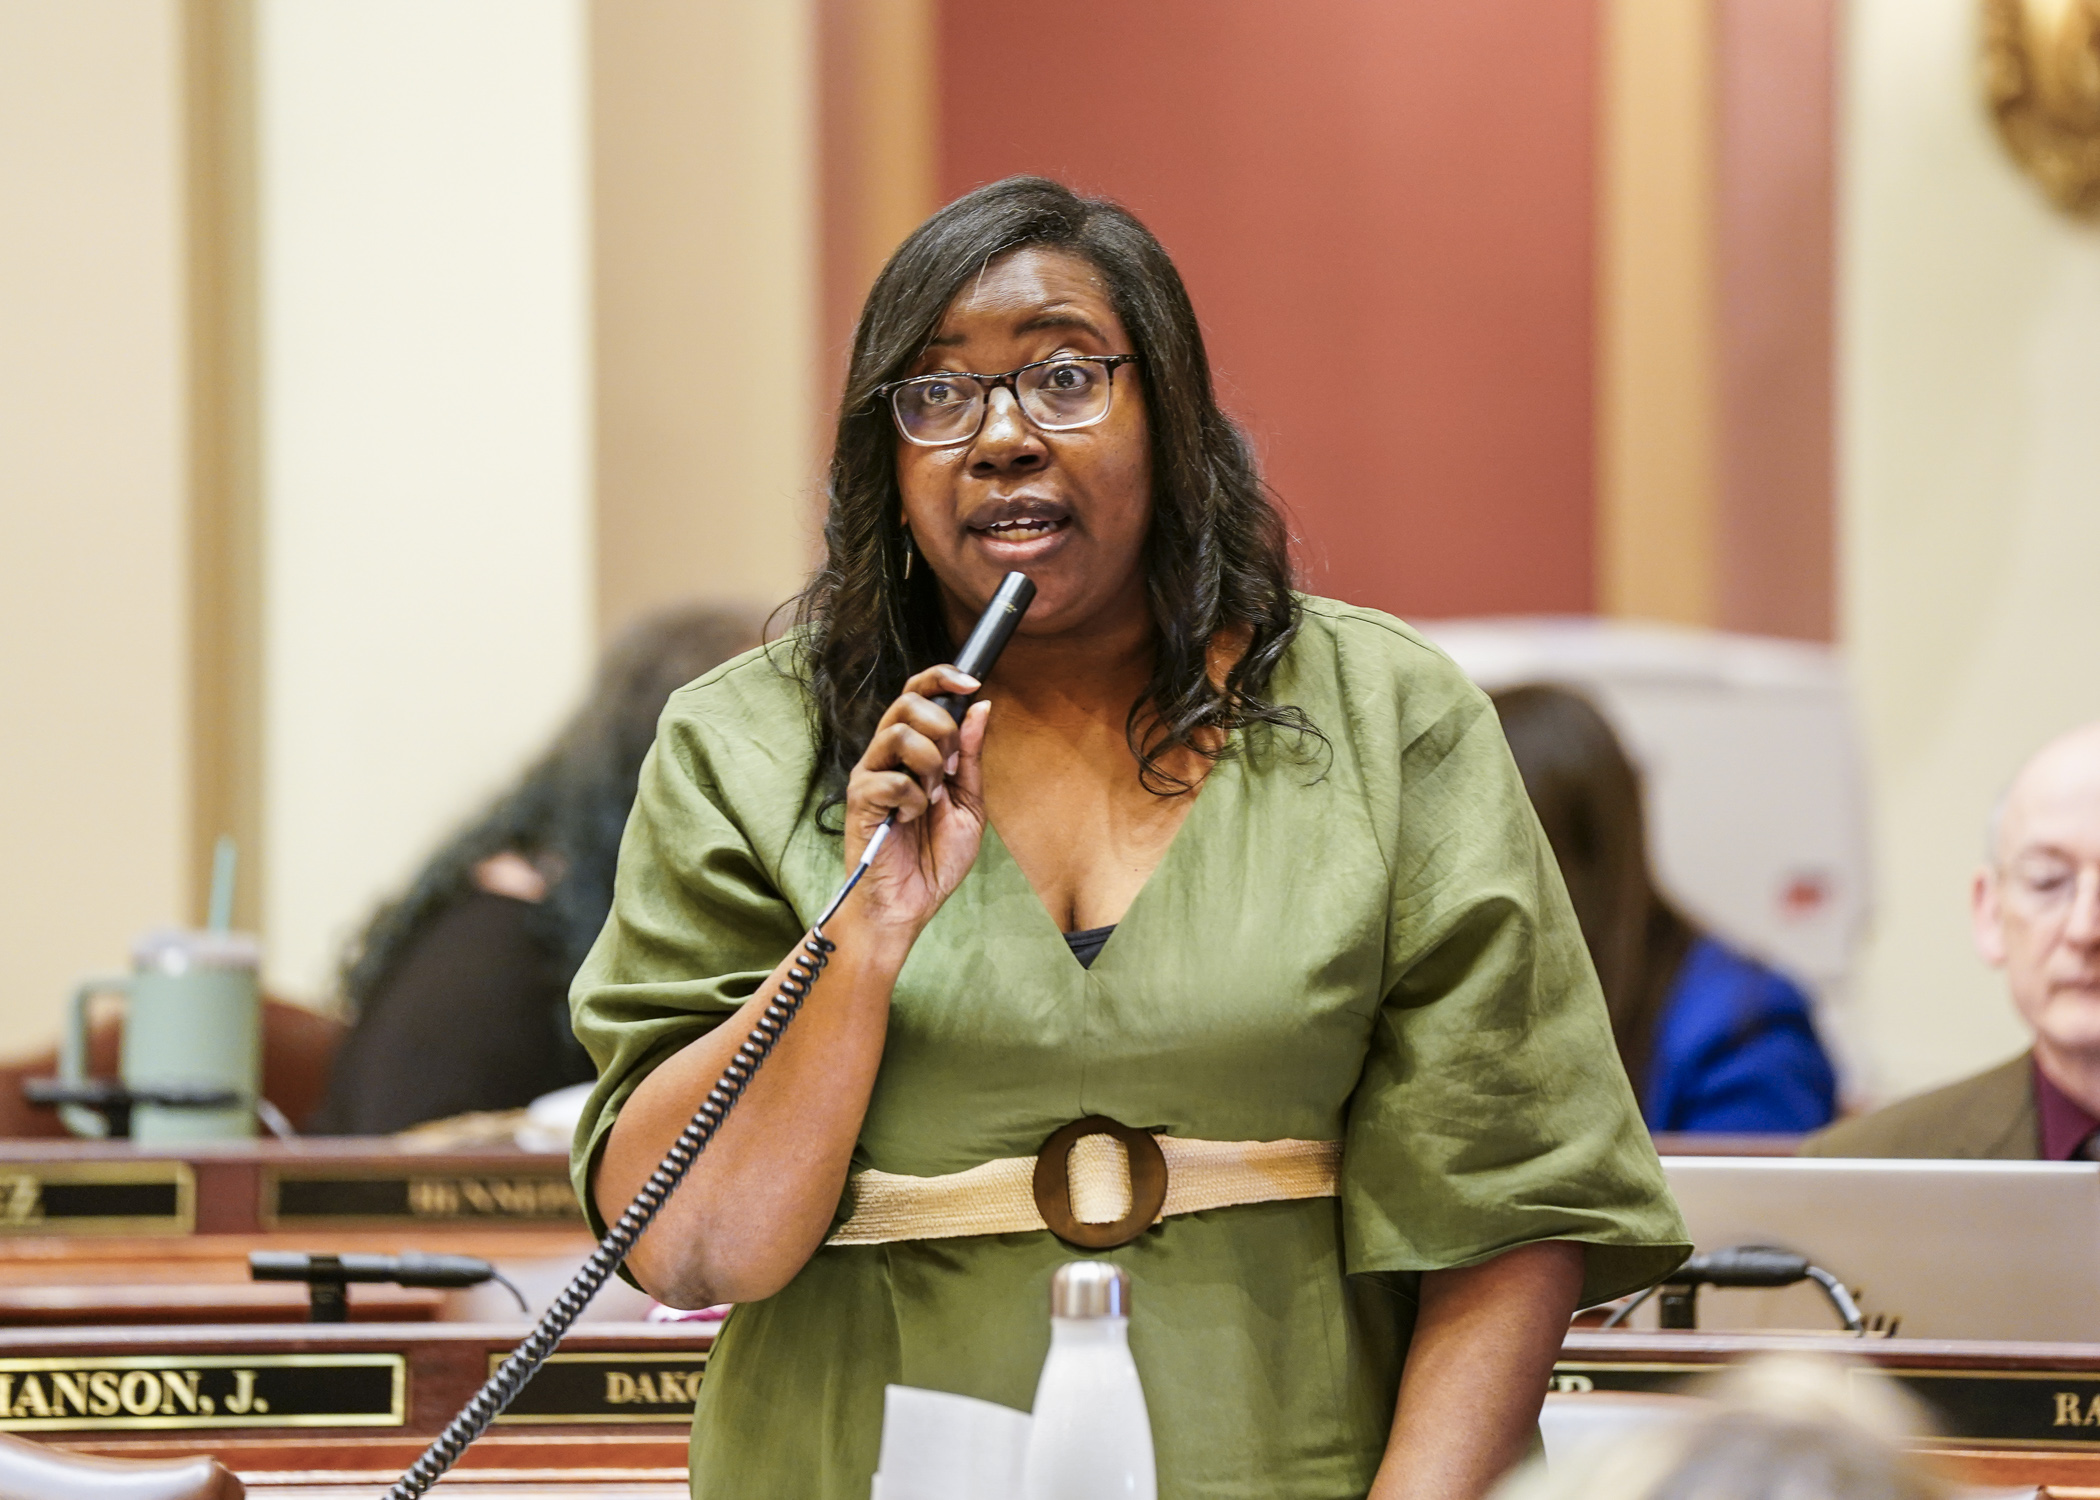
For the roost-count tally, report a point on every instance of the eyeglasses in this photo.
(1057, 395)
(2047, 887)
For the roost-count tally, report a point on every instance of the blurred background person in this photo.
(1713, 1040)
(2035, 913)
(1782, 1427)
(458, 992)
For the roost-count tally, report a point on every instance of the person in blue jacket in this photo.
(1713, 1041)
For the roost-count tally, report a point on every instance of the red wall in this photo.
(1383, 209)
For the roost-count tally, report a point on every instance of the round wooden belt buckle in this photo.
(1053, 1184)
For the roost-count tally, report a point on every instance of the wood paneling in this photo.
(225, 541)
(1658, 416)
(1384, 214)
(1716, 449)
(877, 143)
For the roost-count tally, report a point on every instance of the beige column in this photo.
(225, 555)
(879, 145)
(703, 140)
(94, 626)
(424, 313)
(1658, 396)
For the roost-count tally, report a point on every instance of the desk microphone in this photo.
(1739, 1266)
(994, 628)
(327, 1277)
(1745, 1265)
(411, 1269)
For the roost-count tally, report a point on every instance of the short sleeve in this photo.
(1493, 1110)
(698, 921)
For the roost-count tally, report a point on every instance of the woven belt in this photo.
(1095, 1184)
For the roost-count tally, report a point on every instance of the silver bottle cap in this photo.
(1090, 1289)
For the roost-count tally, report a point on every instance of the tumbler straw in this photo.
(223, 859)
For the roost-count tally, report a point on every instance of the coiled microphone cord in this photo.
(986, 640)
(502, 1387)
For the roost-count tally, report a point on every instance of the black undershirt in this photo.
(1086, 944)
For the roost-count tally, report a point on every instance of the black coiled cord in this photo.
(502, 1388)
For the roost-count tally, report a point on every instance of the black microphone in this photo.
(994, 628)
(1739, 1266)
(328, 1277)
(1744, 1265)
(411, 1269)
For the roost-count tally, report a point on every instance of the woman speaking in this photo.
(1244, 879)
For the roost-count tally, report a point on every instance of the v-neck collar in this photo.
(1226, 767)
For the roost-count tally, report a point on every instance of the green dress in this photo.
(1365, 940)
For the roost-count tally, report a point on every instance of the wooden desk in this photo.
(2012, 1414)
(365, 1400)
(104, 1232)
(520, 1484)
(47, 1281)
(349, 1399)
(85, 1189)
(511, 1484)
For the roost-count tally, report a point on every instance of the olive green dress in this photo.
(1364, 940)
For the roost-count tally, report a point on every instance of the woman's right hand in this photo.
(930, 771)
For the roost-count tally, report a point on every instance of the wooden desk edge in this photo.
(292, 1338)
(1720, 1348)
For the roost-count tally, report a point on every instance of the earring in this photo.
(910, 551)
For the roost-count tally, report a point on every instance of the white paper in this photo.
(938, 1446)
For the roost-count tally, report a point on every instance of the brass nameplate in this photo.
(97, 1197)
(161, 1391)
(609, 1388)
(342, 1198)
(1970, 1408)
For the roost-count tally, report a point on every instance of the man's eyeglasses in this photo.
(1057, 395)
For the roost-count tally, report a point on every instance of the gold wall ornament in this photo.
(2042, 80)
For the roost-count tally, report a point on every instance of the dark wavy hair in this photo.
(1217, 558)
(566, 813)
(1588, 798)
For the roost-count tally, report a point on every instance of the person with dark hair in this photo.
(1713, 1040)
(458, 991)
(1220, 916)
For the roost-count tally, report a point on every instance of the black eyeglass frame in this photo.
(1009, 381)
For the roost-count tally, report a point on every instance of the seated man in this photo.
(2036, 909)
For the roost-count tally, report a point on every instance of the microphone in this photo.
(1745, 1265)
(411, 1269)
(994, 628)
(1740, 1266)
(988, 637)
(328, 1276)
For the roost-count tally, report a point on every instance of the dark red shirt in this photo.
(2065, 1124)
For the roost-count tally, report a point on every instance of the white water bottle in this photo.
(1091, 1438)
